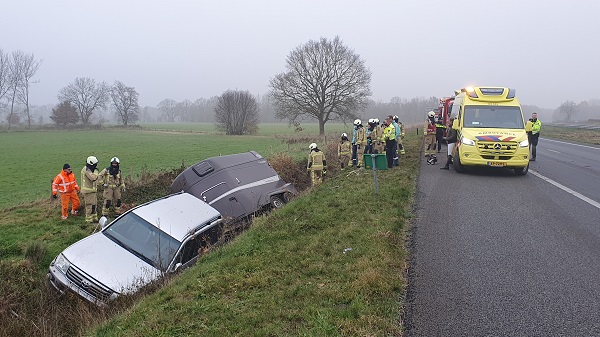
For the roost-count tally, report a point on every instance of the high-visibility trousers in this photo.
(67, 197)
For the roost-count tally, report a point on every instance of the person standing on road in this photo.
(439, 132)
(113, 184)
(65, 183)
(451, 138)
(317, 165)
(399, 140)
(429, 131)
(536, 126)
(345, 152)
(389, 136)
(89, 186)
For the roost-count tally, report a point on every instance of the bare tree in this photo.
(324, 80)
(86, 96)
(568, 109)
(15, 80)
(125, 102)
(4, 73)
(29, 66)
(64, 113)
(185, 110)
(236, 113)
(168, 107)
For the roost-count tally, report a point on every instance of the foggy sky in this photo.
(547, 50)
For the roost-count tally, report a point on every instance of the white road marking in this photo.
(558, 141)
(553, 151)
(566, 189)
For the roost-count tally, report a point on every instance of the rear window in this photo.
(491, 116)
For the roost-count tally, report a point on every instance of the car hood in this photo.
(110, 264)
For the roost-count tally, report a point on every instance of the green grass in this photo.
(289, 276)
(265, 129)
(572, 134)
(33, 159)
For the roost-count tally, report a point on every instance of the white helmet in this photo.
(376, 120)
(396, 118)
(357, 122)
(312, 146)
(115, 160)
(344, 135)
(372, 120)
(91, 160)
(431, 114)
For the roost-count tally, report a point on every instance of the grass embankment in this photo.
(329, 263)
(571, 134)
(304, 244)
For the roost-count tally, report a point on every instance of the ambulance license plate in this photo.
(496, 163)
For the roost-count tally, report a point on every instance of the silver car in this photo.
(161, 236)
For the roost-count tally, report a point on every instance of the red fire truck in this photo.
(444, 109)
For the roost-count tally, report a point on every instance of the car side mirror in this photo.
(103, 221)
(455, 124)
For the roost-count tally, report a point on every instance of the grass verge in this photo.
(331, 262)
(572, 134)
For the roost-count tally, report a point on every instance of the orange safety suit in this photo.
(66, 184)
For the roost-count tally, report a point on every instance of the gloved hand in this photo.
(54, 196)
(324, 172)
(123, 189)
(358, 146)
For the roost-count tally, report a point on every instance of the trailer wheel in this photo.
(277, 202)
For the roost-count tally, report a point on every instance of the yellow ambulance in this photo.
(491, 129)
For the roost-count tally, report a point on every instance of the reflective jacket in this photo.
(535, 127)
(64, 182)
(110, 180)
(344, 148)
(430, 128)
(89, 180)
(389, 133)
(316, 160)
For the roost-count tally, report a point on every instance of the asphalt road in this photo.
(494, 254)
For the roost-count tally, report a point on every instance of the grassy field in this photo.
(287, 275)
(572, 134)
(33, 159)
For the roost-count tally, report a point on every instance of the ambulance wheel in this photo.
(277, 202)
(521, 171)
(458, 167)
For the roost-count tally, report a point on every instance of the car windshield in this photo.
(504, 117)
(143, 240)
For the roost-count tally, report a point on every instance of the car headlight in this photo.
(524, 143)
(467, 141)
(62, 263)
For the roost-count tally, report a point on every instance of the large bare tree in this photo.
(168, 107)
(125, 101)
(4, 73)
(86, 96)
(15, 81)
(236, 113)
(325, 80)
(568, 109)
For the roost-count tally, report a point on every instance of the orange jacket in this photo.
(64, 182)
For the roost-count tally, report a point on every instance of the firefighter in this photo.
(89, 186)
(65, 183)
(429, 131)
(379, 146)
(389, 135)
(113, 183)
(370, 134)
(399, 140)
(439, 132)
(397, 133)
(345, 151)
(358, 140)
(317, 165)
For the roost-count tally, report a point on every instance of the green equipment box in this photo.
(380, 161)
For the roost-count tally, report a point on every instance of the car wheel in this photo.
(458, 167)
(521, 171)
(277, 202)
